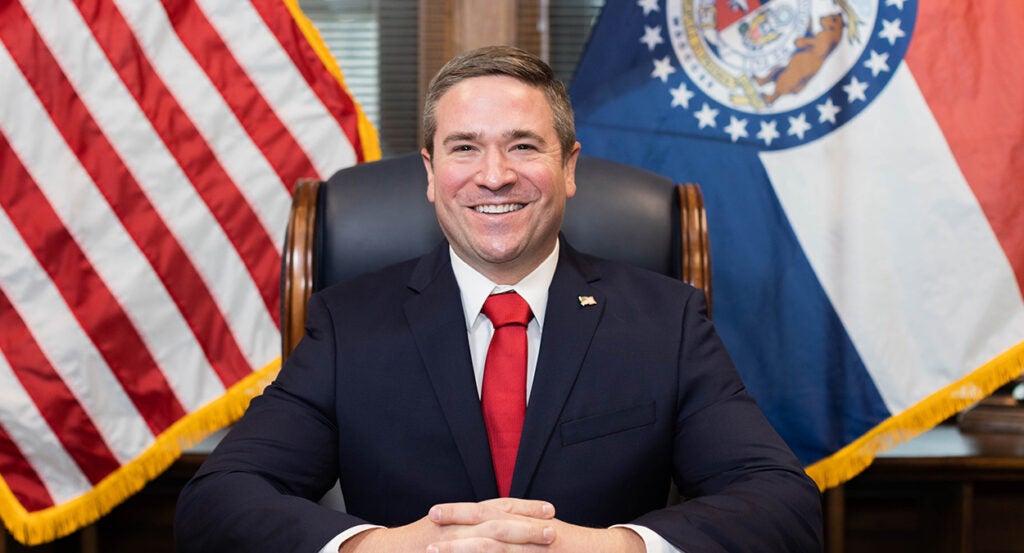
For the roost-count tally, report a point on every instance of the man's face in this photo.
(497, 180)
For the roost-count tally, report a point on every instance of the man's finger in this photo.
(497, 535)
(524, 507)
(476, 513)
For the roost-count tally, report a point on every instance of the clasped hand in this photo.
(504, 525)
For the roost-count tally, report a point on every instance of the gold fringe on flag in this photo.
(58, 521)
(858, 455)
(367, 133)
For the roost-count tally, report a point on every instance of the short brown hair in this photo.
(501, 61)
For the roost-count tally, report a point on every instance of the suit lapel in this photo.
(569, 327)
(439, 326)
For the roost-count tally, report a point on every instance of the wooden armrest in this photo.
(696, 249)
(297, 272)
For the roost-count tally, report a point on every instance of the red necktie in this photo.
(504, 389)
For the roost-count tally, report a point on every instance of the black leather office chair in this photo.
(371, 215)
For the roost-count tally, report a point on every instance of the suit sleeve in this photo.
(743, 488)
(257, 491)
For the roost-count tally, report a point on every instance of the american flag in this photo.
(147, 153)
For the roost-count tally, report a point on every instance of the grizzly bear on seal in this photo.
(807, 60)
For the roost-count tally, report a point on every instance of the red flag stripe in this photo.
(178, 275)
(161, 178)
(339, 103)
(97, 310)
(221, 130)
(248, 105)
(261, 55)
(20, 477)
(193, 154)
(69, 352)
(57, 405)
(976, 115)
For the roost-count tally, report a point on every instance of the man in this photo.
(628, 386)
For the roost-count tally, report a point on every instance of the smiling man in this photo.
(471, 400)
(499, 191)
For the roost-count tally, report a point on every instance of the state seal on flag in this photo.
(775, 73)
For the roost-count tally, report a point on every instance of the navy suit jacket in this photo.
(628, 393)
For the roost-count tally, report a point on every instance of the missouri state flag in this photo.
(862, 163)
(147, 153)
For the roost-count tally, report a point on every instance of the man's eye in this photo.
(525, 147)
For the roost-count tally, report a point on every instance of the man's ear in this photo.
(429, 167)
(570, 170)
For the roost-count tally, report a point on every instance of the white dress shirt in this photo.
(474, 289)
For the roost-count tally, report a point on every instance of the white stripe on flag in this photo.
(99, 233)
(274, 74)
(67, 347)
(170, 192)
(26, 426)
(899, 243)
(219, 127)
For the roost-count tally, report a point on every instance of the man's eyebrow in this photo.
(461, 137)
(518, 134)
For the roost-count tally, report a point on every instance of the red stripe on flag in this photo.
(147, 229)
(337, 100)
(96, 309)
(260, 121)
(58, 405)
(20, 477)
(977, 46)
(200, 165)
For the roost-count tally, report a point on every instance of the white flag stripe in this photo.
(273, 73)
(67, 347)
(26, 426)
(106, 244)
(199, 98)
(171, 193)
(898, 245)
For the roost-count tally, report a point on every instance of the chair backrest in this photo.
(372, 215)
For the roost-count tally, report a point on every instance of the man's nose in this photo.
(497, 170)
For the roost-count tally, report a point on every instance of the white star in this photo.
(855, 90)
(737, 128)
(768, 132)
(897, 3)
(648, 6)
(891, 31)
(798, 126)
(663, 68)
(706, 116)
(681, 96)
(652, 37)
(828, 111)
(877, 63)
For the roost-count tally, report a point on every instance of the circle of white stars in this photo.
(798, 125)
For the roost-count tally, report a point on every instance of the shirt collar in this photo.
(475, 287)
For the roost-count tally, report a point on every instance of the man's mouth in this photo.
(500, 208)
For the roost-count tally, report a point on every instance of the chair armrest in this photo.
(297, 267)
(696, 248)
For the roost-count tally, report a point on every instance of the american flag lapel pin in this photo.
(587, 300)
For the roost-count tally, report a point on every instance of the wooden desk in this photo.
(944, 491)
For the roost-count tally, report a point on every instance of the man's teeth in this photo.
(503, 208)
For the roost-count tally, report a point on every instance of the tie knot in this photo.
(508, 308)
